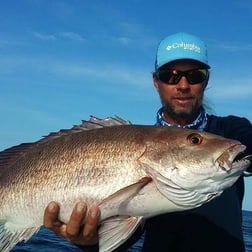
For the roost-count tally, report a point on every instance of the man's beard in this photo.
(178, 114)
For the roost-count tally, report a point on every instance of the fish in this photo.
(132, 172)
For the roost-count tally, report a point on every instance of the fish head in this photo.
(198, 164)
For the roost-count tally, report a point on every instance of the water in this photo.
(47, 241)
(247, 229)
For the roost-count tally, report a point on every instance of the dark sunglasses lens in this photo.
(172, 77)
(168, 77)
(197, 76)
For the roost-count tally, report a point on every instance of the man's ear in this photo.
(155, 80)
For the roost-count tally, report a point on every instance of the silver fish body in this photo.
(131, 171)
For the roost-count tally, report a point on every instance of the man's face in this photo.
(181, 100)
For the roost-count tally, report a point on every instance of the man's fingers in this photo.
(76, 219)
(89, 234)
(90, 229)
(51, 215)
(72, 230)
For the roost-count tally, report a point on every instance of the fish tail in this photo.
(9, 239)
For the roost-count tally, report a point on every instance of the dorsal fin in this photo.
(108, 121)
(8, 156)
(92, 123)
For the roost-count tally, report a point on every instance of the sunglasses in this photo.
(172, 76)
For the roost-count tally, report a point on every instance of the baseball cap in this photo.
(181, 46)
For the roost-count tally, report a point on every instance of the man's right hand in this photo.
(74, 231)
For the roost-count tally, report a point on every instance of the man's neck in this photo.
(182, 121)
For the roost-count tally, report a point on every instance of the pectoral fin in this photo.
(116, 224)
(115, 231)
(117, 202)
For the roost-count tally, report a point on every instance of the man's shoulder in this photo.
(229, 120)
(228, 125)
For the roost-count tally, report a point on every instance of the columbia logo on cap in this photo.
(185, 46)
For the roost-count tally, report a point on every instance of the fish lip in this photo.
(248, 157)
(229, 160)
(242, 162)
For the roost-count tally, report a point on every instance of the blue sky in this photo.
(62, 61)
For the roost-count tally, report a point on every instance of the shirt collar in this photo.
(199, 123)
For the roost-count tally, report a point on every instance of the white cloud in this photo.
(133, 29)
(129, 76)
(124, 40)
(72, 36)
(44, 36)
(225, 96)
(111, 74)
(232, 46)
(235, 47)
(61, 35)
(227, 88)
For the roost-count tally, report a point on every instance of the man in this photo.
(180, 77)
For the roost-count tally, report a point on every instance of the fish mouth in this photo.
(232, 159)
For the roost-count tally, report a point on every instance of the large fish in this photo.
(131, 171)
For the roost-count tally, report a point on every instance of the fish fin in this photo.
(116, 230)
(9, 239)
(125, 194)
(95, 123)
(92, 123)
(108, 121)
(10, 155)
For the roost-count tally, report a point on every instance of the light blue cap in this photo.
(181, 46)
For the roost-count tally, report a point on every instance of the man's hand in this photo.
(74, 231)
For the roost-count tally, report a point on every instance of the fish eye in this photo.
(195, 138)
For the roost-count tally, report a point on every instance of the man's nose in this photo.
(183, 83)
